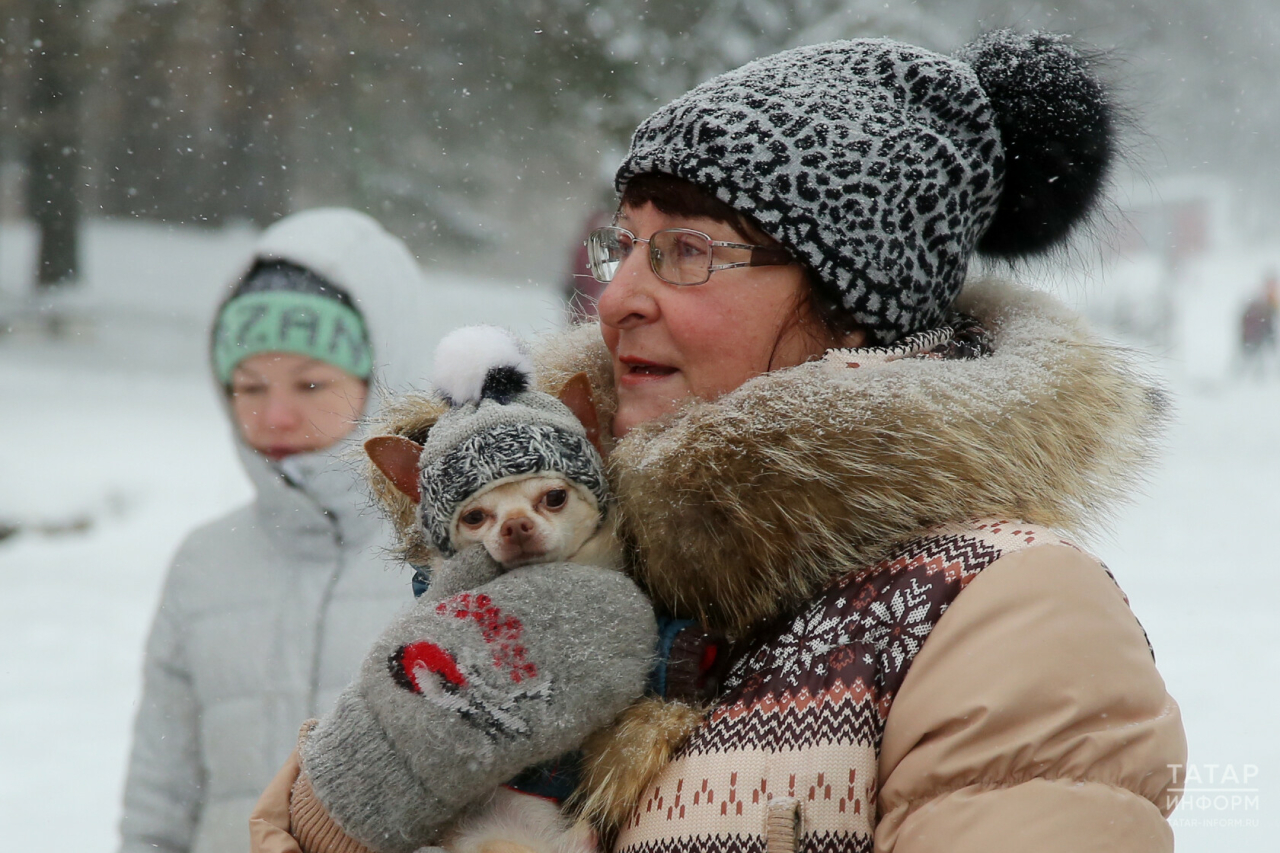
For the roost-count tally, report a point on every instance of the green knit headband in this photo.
(288, 321)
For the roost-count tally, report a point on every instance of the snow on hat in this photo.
(496, 429)
(282, 307)
(882, 166)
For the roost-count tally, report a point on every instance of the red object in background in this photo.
(1188, 229)
(1177, 230)
(1260, 318)
(581, 290)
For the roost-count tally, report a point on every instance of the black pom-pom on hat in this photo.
(504, 383)
(1056, 126)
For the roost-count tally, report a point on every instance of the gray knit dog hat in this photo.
(496, 429)
(883, 166)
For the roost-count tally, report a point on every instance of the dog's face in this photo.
(540, 519)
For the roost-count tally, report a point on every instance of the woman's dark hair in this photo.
(678, 197)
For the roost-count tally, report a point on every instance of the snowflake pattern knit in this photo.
(792, 746)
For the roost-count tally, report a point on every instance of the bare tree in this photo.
(54, 138)
(466, 126)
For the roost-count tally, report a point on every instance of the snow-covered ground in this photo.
(112, 445)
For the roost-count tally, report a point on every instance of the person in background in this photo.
(1258, 328)
(267, 611)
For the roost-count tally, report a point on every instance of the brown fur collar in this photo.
(739, 509)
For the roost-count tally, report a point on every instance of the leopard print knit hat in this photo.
(883, 166)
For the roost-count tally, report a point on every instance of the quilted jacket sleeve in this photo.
(269, 822)
(1032, 719)
(162, 796)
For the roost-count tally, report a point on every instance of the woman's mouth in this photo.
(640, 370)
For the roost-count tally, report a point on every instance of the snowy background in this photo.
(112, 446)
(485, 138)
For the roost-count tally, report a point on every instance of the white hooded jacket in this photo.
(267, 612)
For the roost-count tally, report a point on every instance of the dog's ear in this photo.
(397, 458)
(576, 394)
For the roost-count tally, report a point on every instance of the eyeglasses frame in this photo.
(761, 256)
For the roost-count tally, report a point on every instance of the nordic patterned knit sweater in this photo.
(923, 660)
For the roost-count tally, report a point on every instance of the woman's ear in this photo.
(576, 394)
(397, 458)
(855, 339)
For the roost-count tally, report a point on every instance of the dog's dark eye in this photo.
(555, 499)
(474, 518)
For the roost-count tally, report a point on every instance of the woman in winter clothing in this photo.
(267, 611)
(865, 472)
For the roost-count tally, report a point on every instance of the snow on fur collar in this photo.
(737, 510)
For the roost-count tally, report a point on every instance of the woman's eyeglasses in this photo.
(678, 256)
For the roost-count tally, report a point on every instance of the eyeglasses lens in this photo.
(607, 248)
(681, 257)
(678, 257)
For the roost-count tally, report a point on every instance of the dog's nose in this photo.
(517, 529)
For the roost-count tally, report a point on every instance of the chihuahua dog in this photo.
(521, 473)
(542, 518)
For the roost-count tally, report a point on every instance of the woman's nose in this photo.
(628, 300)
(281, 413)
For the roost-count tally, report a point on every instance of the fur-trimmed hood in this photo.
(739, 509)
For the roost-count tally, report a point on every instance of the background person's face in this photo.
(670, 344)
(286, 403)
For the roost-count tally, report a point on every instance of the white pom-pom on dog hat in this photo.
(476, 362)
